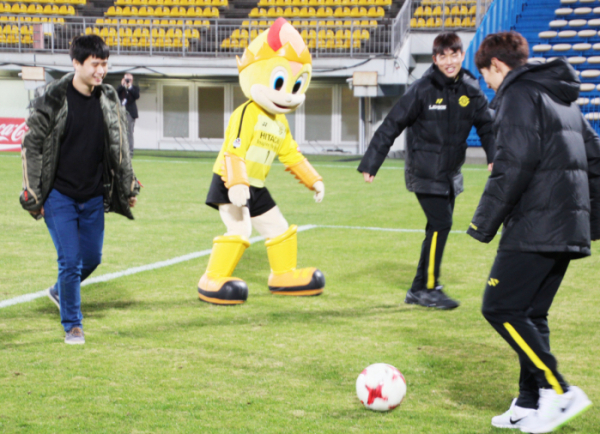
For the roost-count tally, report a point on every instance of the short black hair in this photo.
(85, 46)
(447, 41)
(510, 48)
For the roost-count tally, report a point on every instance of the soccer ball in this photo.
(381, 387)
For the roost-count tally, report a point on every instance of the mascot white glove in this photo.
(239, 194)
(319, 189)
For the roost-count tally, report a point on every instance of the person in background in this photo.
(129, 93)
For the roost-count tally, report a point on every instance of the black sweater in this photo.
(80, 168)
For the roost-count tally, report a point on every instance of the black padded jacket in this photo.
(545, 185)
(438, 113)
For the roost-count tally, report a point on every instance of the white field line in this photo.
(111, 276)
(135, 270)
(366, 228)
(333, 166)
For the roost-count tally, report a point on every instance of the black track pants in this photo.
(438, 210)
(518, 295)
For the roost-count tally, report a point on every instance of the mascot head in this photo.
(275, 69)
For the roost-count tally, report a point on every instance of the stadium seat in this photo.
(548, 34)
(558, 23)
(561, 47)
(587, 33)
(582, 11)
(563, 11)
(567, 34)
(540, 48)
(582, 47)
(577, 23)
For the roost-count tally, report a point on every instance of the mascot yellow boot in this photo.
(275, 72)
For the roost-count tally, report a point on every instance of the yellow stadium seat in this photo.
(365, 35)
(466, 22)
(473, 10)
(419, 12)
(413, 22)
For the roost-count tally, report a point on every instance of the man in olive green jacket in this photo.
(76, 166)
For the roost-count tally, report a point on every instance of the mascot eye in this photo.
(278, 78)
(299, 83)
(278, 83)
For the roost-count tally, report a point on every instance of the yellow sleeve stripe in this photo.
(431, 269)
(473, 226)
(534, 358)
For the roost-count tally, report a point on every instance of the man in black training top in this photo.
(439, 111)
(545, 190)
(76, 166)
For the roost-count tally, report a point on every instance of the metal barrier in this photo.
(401, 26)
(222, 37)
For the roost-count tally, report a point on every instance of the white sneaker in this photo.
(514, 417)
(555, 410)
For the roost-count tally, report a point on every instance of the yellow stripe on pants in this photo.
(534, 358)
(431, 270)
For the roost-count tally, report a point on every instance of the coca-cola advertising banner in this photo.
(11, 133)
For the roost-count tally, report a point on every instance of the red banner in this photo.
(11, 133)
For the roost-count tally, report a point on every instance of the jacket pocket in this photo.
(425, 159)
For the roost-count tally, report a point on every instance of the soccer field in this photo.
(157, 360)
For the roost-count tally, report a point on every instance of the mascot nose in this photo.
(288, 99)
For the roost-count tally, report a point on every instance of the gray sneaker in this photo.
(52, 293)
(75, 336)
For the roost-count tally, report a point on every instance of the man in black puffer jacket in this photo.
(439, 111)
(545, 189)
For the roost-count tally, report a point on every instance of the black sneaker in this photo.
(430, 298)
(53, 295)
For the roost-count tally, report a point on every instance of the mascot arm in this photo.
(304, 172)
(236, 179)
(297, 164)
(234, 170)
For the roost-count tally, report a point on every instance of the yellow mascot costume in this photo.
(275, 72)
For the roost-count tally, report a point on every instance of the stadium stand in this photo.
(552, 28)
(437, 14)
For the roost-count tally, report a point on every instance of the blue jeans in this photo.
(77, 230)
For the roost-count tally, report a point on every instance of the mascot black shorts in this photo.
(259, 203)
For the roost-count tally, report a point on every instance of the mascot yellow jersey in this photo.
(258, 137)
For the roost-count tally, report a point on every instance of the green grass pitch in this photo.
(157, 360)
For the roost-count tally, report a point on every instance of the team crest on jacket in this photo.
(464, 101)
